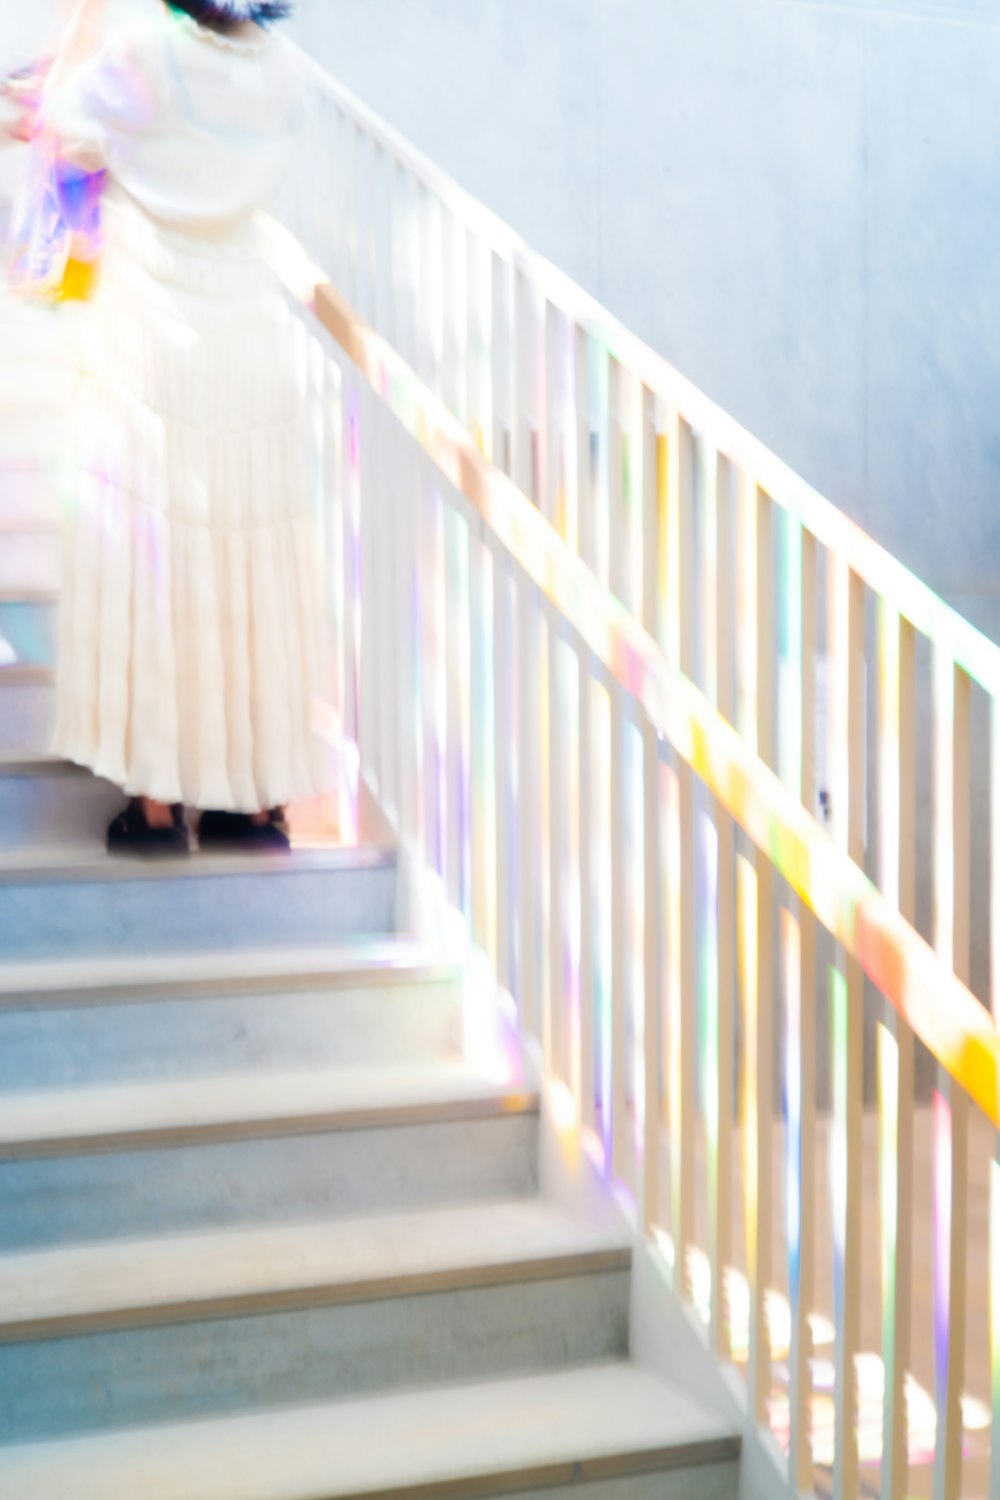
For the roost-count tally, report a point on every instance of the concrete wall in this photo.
(798, 203)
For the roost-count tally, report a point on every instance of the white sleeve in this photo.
(111, 95)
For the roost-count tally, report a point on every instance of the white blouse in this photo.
(196, 127)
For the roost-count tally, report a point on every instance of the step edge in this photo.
(223, 1307)
(24, 674)
(326, 1122)
(90, 867)
(51, 990)
(564, 1473)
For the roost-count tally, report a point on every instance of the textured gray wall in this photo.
(798, 203)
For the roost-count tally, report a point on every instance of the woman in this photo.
(190, 653)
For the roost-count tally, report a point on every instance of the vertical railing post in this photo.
(799, 954)
(846, 637)
(684, 1017)
(952, 864)
(897, 839)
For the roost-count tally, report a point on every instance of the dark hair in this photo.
(222, 15)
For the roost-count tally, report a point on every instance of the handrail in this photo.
(974, 652)
(941, 1010)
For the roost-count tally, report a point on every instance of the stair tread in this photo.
(555, 1427)
(272, 969)
(50, 1293)
(84, 1118)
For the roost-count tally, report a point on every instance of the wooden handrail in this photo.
(939, 1008)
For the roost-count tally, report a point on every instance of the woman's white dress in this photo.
(191, 628)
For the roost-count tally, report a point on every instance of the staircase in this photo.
(266, 1230)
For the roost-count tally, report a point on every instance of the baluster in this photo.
(504, 363)
(454, 382)
(460, 716)
(590, 873)
(555, 763)
(684, 997)
(653, 1021)
(529, 804)
(352, 168)
(846, 635)
(618, 538)
(619, 932)
(552, 498)
(952, 900)
(897, 789)
(478, 374)
(528, 389)
(430, 292)
(799, 760)
(385, 687)
(754, 722)
(586, 499)
(484, 762)
(504, 720)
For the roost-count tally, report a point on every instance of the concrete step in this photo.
(166, 1330)
(27, 708)
(48, 804)
(76, 904)
(65, 1026)
(612, 1424)
(170, 1157)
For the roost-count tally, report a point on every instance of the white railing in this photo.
(589, 697)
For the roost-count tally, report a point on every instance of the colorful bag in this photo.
(57, 223)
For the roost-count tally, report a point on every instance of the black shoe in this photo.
(131, 834)
(227, 830)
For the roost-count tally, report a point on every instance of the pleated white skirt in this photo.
(191, 644)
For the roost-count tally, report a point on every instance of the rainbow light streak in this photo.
(670, 791)
(944, 765)
(708, 1006)
(747, 972)
(746, 613)
(636, 918)
(994, 1274)
(791, 966)
(889, 679)
(601, 709)
(790, 656)
(942, 1250)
